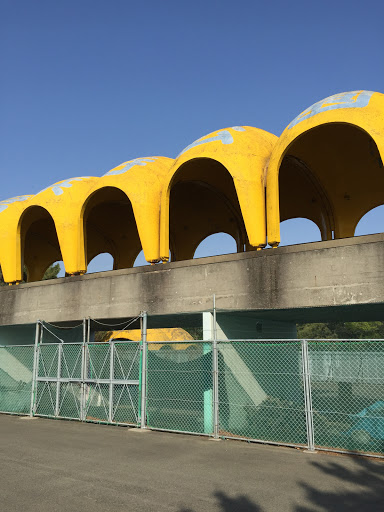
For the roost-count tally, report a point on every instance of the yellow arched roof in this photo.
(362, 109)
(140, 179)
(251, 158)
(244, 152)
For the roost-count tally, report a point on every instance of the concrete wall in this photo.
(321, 274)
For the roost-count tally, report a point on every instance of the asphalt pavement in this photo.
(49, 466)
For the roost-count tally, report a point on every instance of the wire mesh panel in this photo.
(70, 396)
(261, 391)
(98, 361)
(97, 402)
(98, 356)
(16, 373)
(347, 384)
(179, 387)
(45, 398)
(126, 370)
(48, 360)
(48, 367)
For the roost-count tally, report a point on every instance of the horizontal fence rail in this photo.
(315, 394)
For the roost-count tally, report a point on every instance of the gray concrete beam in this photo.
(321, 274)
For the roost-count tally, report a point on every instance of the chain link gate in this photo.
(59, 381)
(87, 380)
(111, 382)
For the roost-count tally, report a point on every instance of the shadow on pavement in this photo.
(361, 488)
(228, 504)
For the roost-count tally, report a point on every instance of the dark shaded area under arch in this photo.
(333, 175)
(110, 227)
(39, 243)
(203, 201)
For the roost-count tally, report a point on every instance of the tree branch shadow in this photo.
(361, 488)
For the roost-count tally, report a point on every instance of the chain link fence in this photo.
(347, 389)
(16, 375)
(179, 387)
(324, 395)
(261, 391)
(315, 394)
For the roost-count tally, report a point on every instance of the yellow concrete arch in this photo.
(64, 200)
(60, 210)
(142, 181)
(328, 165)
(231, 164)
(11, 211)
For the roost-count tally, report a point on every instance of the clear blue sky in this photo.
(86, 85)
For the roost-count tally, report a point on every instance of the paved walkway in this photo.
(49, 466)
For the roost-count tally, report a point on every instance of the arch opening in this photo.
(110, 227)
(332, 174)
(140, 260)
(216, 244)
(203, 201)
(101, 263)
(299, 231)
(39, 243)
(372, 222)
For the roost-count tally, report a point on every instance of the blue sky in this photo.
(86, 85)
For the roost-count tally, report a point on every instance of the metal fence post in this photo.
(35, 367)
(215, 386)
(111, 378)
(307, 396)
(144, 348)
(86, 367)
(59, 357)
(83, 371)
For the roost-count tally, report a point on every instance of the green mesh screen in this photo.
(179, 387)
(347, 382)
(261, 391)
(16, 368)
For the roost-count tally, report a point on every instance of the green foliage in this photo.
(52, 272)
(341, 330)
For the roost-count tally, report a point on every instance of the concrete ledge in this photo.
(320, 274)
